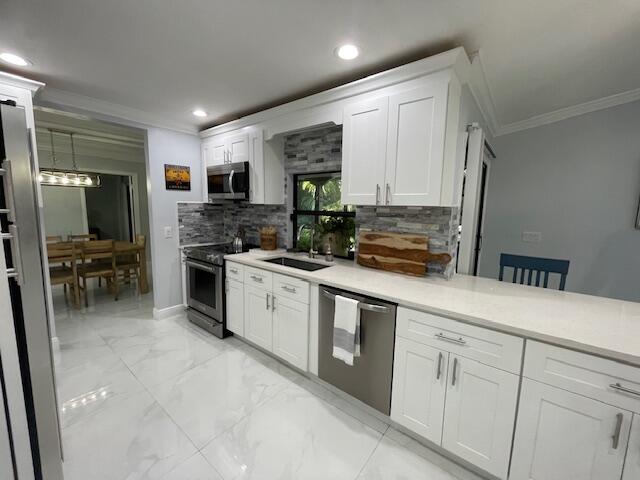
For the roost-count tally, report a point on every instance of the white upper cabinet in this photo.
(214, 151)
(364, 141)
(479, 415)
(238, 148)
(561, 435)
(401, 149)
(415, 145)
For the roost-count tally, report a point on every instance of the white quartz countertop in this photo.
(598, 325)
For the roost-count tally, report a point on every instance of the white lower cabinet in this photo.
(258, 319)
(291, 331)
(564, 436)
(235, 307)
(419, 385)
(479, 414)
(632, 462)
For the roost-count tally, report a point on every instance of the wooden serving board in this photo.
(397, 252)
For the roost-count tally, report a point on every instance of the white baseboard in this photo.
(161, 313)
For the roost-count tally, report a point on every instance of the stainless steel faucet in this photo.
(312, 252)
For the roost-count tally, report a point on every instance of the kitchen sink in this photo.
(295, 263)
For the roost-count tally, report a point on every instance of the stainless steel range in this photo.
(205, 287)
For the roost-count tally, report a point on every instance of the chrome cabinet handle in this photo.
(615, 438)
(388, 195)
(620, 388)
(439, 373)
(377, 193)
(453, 376)
(233, 270)
(288, 289)
(256, 278)
(231, 182)
(15, 272)
(444, 338)
(268, 306)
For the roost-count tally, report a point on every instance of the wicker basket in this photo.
(268, 239)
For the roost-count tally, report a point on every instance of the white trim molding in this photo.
(162, 313)
(482, 93)
(109, 111)
(20, 82)
(573, 111)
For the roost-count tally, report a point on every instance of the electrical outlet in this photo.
(168, 232)
(532, 237)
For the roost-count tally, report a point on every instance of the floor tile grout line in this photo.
(373, 451)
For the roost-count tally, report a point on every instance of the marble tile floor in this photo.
(161, 399)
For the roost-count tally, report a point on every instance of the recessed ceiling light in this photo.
(14, 59)
(199, 113)
(347, 51)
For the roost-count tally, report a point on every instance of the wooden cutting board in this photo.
(397, 252)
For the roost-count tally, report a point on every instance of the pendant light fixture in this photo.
(63, 177)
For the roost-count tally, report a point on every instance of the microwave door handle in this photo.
(231, 182)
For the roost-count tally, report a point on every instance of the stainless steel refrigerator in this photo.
(29, 424)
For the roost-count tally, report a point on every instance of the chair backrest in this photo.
(54, 238)
(141, 240)
(528, 265)
(97, 249)
(61, 252)
(84, 237)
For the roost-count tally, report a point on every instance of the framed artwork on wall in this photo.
(177, 177)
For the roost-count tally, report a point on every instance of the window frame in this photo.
(315, 213)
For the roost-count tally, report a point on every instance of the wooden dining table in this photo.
(122, 247)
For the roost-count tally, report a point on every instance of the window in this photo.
(317, 208)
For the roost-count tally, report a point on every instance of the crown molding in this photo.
(482, 93)
(569, 112)
(20, 82)
(109, 111)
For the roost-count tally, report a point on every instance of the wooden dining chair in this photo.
(128, 264)
(83, 237)
(526, 266)
(98, 261)
(65, 254)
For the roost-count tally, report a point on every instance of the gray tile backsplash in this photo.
(318, 150)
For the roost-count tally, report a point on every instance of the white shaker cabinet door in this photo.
(632, 463)
(291, 331)
(416, 146)
(235, 307)
(480, 414)
(419, 384)
(258, 321)
(564, 436)
(238, 148)
(216, 151)
(364, 139)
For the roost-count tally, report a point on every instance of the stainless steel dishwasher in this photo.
(369, 379)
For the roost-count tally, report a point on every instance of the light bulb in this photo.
(347, 52)
(76, 180)
(65, 180)
(53, 179)
(88, 181)
(40, 178)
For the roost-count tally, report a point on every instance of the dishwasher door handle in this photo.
(371, 307)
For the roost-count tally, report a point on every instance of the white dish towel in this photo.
(346, 330)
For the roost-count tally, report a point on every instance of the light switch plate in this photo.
(532, 237)
(168, 232)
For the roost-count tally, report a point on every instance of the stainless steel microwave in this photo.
(228, 182)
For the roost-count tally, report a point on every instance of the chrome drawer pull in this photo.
(233, 270)
(616, 433)
(444, 338)
(439, 366)
(288, 289)
(256, 278)
(620, 388)
(268, 306)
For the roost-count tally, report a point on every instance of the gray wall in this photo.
(169, 147)
(577, 182)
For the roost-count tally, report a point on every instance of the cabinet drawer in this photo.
(235, 271)
(290, 287)
(598, 378)
(486, 346)
(258, 278)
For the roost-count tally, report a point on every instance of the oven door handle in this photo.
(200, 266)
(231, 182)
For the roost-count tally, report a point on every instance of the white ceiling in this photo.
(165, 57)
